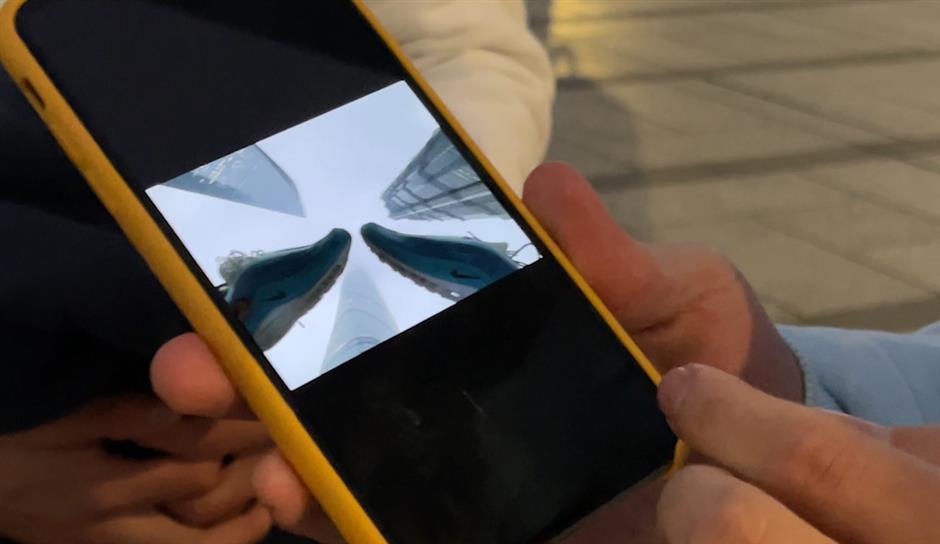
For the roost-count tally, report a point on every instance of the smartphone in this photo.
(424, 355)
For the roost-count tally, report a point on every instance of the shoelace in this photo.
(231, 264)
(503, 247)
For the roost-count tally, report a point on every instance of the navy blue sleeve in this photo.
(81, 315)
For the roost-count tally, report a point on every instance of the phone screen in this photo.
(449, 368)
(339, 233)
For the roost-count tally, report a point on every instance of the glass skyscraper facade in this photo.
(362, 321)
(439, 185)
(247, 176)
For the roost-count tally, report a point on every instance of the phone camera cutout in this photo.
(33, 95)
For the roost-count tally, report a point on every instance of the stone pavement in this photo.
(800, 137)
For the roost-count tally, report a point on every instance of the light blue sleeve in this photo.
(891, 379)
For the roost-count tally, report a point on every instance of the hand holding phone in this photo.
(620, 268)
(422, 352)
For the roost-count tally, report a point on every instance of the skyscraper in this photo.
(362, 320)
(439, 185)
(247, 176)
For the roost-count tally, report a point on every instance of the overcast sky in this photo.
(341, 162)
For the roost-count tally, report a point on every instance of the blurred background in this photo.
(800, 137)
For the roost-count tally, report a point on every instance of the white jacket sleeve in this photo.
(480, 57)
(892, 379)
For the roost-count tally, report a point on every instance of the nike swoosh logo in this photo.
(461, 276)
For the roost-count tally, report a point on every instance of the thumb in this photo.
(922, 442)
(849, 483)
(621, 270)
(290, 503)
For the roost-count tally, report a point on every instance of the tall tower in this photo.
(439, 185)
(362, 320)
(248, 176)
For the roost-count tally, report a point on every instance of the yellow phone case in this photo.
(186, 291)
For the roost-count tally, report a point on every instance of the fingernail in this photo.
(673, 390)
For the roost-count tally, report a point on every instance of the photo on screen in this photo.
(339, 233)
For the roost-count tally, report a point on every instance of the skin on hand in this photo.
(680, 303)
(232, 494)
(187, 376)
(792, 473)
(57, 483)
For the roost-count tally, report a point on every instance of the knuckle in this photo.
(729, 522)
(191, 478)
(205, 476)
(681, 486)
(706, 505)
(717, 266)
(817, 462)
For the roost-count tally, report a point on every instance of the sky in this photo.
(341, 162)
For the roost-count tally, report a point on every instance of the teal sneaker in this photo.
(450, 266)
(271, 291)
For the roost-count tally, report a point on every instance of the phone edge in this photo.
(184, 288)
(681, 450)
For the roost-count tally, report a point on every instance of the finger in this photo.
(923, 442)
(233, 494)
(873, 430)
(113, 417)
(290, 503)
(619, 268)
(156, 528)
(851, 485)
(201, 438)
(188, 377)
(126, 484)
(633, 515)
(149, 422)
(706, 505)
(658, 293)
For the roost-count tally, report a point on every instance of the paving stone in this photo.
(664, 125)
(672, 205)
(895, 182)
(858, 226)
(886, 24)
(810, 280)
(897, 100)
(768, 143)
(919, 262)
(584, 156)
(755, 37)
(699, 107)
(753, 126)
